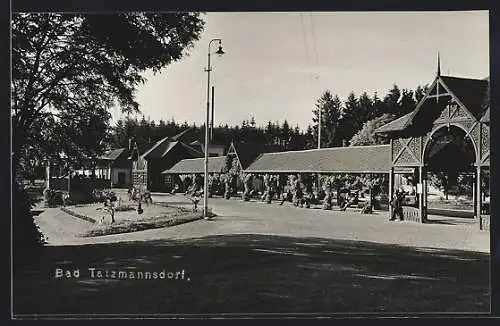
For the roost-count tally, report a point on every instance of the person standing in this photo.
(248, 183)
(327, 188)
(397, 205)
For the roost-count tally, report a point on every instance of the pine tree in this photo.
(391, 100)
(310, 141)
(378, 107)
(365, 108)
(285, 134)
(331, 108)
(349, 122)
(407, 103)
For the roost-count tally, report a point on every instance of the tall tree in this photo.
(378, 108)
(331, 108)
(407, 103)
(391, 100)
(365, 109)
(349, 121)
(66, 66)
(310, 141)
(285, 134)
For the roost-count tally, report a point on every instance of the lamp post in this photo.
(207, 124)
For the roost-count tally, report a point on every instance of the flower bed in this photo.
(143, 224)
(128, 220)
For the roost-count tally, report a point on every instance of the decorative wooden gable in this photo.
(452, 112)
(485, 144)
(407, 151)
(236, 164)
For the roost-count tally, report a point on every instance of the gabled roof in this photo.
(395, 125)
(354, 159)
(248, 152)
(471, 92)
(197, 165)
(113, 154)
(158, 148)
(192, 151)
(182, 135)
(165, 145)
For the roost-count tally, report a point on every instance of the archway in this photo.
(450, 158)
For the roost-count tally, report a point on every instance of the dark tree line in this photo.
(354, 121)
(277, 134)
(349, 122)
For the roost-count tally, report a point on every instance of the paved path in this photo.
(59, 227)
(238, 217)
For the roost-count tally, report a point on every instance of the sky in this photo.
(278, 64)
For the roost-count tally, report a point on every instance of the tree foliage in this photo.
(331, 110)
(68, 70)
(367, 135)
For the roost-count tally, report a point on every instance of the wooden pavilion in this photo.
(448, 129)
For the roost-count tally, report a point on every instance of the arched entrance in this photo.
(447, 134)
(451, 181)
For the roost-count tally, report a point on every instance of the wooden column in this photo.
(479, 195)
(391, 186)
(474, 198)
(421, 194)
(424, 189)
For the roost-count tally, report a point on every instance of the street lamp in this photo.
(208, 69)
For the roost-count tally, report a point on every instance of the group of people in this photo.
(295, 188)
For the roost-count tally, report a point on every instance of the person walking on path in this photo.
(397, 205)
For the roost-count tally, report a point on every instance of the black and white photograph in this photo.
(250, 163)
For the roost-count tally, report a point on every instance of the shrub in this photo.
(55, 198)
(100, 196)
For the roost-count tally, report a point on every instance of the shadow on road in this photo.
(255, 274)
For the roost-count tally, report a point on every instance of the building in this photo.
(213, 149)
(116, 166)
(147, 167)
(448, 130)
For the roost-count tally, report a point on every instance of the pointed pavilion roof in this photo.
(470, 92)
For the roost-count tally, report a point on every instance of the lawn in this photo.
(255, 274)
(127, 218)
